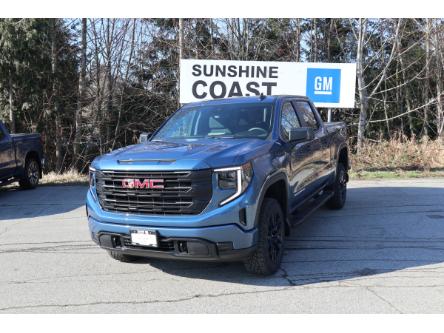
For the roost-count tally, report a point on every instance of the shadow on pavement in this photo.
(41, 201)
(381, 229)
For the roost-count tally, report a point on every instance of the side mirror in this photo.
(144, 137)
(8, 127)
(302, 134)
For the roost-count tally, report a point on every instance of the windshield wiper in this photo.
(221, 136)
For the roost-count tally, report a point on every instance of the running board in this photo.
(309, 208)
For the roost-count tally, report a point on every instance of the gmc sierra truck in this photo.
(21, 158)
(220, 180)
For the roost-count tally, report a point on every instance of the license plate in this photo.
(144, 237)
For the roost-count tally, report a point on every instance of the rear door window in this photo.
(289, 120)
(307, 114)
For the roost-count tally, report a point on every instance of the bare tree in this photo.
(180, 47)
(131, 81)
(82, 90)
(55, 97)
(438, 39)
(426, 85)
(362, 87)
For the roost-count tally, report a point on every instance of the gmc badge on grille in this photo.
(143, 184)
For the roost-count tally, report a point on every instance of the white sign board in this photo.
(330, 85)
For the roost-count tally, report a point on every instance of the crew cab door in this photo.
(299, 170)
(320, 145)
(7, 159)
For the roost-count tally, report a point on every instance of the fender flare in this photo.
(338, 152)
(269, 181)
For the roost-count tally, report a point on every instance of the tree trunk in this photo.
(180, 38)
(180, 47)
(81, 98)
(210, 22)
(109, 81)
(405, 95)
(98, 116)
(384, 102)
(363, 96)
(314, 47)
(439, 83)
(11, 106)
(55, 97)
(125, 79)
(298, 40)
(328, 34)
(408, 104)
(426, 87)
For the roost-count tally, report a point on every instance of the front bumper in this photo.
(215, 243)
(194, 249)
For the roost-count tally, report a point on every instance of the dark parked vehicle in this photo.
(219, 180)
(21, 158)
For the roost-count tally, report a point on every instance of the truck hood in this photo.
(183, 154)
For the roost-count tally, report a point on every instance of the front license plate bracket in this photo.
(144, 237)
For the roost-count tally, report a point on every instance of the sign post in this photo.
(329, 85)
(329, 115)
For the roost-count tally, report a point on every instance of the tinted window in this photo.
(1, 135)
(234, 120)
(307, 113)
(289, 120)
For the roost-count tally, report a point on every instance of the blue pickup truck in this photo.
(220, 180)
(21, 158)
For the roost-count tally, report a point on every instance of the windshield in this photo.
(239, 120)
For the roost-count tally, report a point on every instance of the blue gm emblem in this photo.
(324, 84)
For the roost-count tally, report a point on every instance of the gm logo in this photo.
(323, 85)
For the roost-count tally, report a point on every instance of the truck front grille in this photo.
(183, 192)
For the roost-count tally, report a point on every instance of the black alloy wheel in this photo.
(31, 174)
(267, 257)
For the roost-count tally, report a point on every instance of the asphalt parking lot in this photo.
(383, 253)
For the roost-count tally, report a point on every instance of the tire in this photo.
(117, 255)
(31, 174)
(339, 187)
(267, 257)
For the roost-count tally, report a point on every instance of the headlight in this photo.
(235, 178)
(92, 177)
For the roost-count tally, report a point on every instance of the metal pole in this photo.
(329, 116)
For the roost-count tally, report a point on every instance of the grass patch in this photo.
(74, 178)
(399, 153)
(71, 177)
(400, 157)
(396, 174)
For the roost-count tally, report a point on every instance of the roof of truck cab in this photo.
(250, 99)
